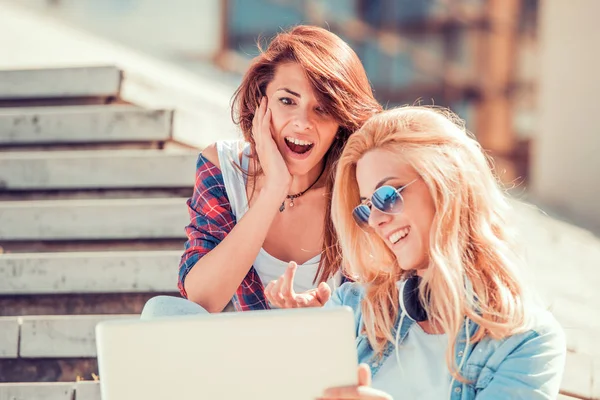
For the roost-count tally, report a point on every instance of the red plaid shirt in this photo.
(211, 219)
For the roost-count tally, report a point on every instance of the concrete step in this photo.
(93, 219)
(94, 169)
(580, 329)
(566, 397)
(77, 303)
(562, 266)
(47, 369)
(77, 82)
(87, 390)
(53, 336)
(61, 336)
(54, 246)
(46, 391)
(83, 124)
(582, 376)
(9, 337)
(83, 390)
(93, 272)
(94, 194)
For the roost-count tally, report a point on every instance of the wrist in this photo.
(271, 198)
(276, 191)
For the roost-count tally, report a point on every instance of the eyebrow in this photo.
(380, 183)
(290, 92)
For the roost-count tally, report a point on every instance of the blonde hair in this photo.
(469, 236)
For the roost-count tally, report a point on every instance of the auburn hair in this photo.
(340, 84)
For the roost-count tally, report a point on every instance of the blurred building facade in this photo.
(473, 56)
(565, 167)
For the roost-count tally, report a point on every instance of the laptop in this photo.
(276, 354)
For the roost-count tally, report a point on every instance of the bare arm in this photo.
(215, 277)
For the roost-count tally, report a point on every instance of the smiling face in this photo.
(302, 130)
(406, 234)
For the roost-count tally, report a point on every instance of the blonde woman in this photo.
(441, 311)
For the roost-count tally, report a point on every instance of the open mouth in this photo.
(298, 146)
(399, 235)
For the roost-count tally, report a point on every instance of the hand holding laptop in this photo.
(280, 293)
(362, 391)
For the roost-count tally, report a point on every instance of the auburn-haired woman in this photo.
(264, 201)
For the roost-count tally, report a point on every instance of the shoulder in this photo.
(527, 365)
(348, 294)
(542, 338)
(209, 178)
(543, 324)
(211, 153)
(541, 331)
(224, 151)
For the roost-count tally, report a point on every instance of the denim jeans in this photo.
(170, 306)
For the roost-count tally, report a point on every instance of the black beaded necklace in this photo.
(292, 197)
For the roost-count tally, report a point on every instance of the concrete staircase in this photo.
(92, 210)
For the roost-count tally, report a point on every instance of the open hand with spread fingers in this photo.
(280, 293)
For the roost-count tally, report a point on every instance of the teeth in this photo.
(298, 141)
(396, 236)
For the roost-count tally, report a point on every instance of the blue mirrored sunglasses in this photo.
(386, 199)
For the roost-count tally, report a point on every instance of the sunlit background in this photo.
(481, 58)
(475, 56)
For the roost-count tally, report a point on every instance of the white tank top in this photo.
(268, 267)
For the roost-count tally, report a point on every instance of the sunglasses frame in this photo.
(368, 203)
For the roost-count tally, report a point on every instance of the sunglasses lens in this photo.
(361, 215)
(387, 199)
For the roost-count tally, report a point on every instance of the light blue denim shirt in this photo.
(528, 365)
